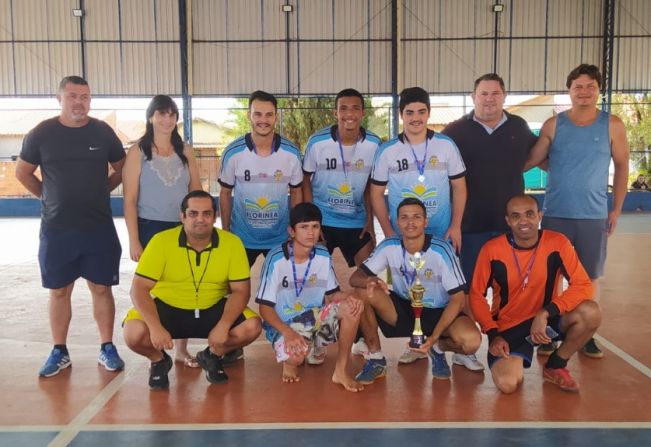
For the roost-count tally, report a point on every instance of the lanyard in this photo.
(420, 164)
(517, 264)
(194, 282)
(409, 277)
(341, 152)
(307, 270)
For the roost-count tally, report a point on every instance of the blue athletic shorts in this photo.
(65, 255)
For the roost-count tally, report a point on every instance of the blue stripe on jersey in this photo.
(235, 147)
(446, 251)
(290, 147)
(272, 257)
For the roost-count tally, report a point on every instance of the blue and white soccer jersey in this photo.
(278, 289)
(260, 213)
(441, 275)
(338, 190)
(396, 166)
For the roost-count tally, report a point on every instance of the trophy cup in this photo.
(417, 262)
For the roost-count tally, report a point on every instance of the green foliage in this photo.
(635, 112)
(298, 118)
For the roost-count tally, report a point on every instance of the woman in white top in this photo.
(160, 169)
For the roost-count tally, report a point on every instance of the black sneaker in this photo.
(233, 356)
(212, 364)
(158, 373)
(592, 350)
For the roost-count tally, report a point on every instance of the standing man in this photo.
(522, 267)
(78, 238)
(257, 172)
(578, 145)
(336, 168)
(494, 145)
(422, 164)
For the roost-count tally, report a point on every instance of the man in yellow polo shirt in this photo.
(179, 291)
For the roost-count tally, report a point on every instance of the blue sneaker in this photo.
(440, 367)
(56, 362)
(110, 358)
(373, 369)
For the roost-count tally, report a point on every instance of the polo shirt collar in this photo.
(334, 128)
(429, 136)
(183, 240)
(489, 130)
(249, 142)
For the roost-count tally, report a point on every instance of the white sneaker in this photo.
(316, 355)
(409, 356)
(469, 361)
(360, 348)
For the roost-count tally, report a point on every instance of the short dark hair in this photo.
(198, 194)
(78, 80)
(521, 196)
(348, 93)
(304, 212)
(411, 201)
(592, 71)
(413, 94)
(490, 77)
(259, 95)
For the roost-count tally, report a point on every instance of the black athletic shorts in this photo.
(347, 239)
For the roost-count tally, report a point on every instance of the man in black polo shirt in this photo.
(494, 145)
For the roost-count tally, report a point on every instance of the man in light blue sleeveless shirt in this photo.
(577, 146)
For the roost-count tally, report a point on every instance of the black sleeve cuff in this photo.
(553, 310)
(492, 333)
(264, 302)
(379, 183)
(459, 175)
(367, 270)
(224, 184)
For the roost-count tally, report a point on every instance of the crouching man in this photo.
(180, 291)
(523, 267)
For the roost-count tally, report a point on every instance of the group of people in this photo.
(454, 202)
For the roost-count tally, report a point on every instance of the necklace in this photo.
(420, 164)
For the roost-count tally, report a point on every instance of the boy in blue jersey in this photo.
(422, 164)
(301, 304)
(336, 168)
(443, 322)
(257, 171)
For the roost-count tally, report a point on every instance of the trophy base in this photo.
(416, 341)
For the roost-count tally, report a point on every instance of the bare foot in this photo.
(186, 358)
(347, 382)
(290, 373)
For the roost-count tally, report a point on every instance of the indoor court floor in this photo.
(88, 406)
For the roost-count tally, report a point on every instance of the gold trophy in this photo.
(417, 262)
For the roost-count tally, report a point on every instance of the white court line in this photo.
(70, 431)
(624, 356)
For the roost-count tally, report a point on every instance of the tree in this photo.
(298, 118)
(635, 112)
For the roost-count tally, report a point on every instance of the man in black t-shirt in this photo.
(78, 237)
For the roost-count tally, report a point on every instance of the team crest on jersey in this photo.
(433, 161)
(424, 194)
(341, 197)
(261, 212)
(359, 164)
(312, 279)
(428, 274)
(278, 175)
